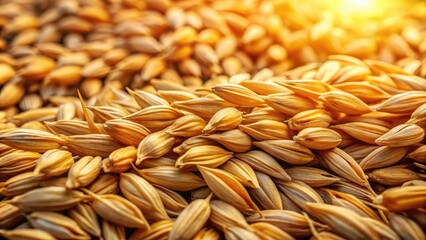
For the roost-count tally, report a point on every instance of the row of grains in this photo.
(331, 155)
(243, 120)
(49, 48)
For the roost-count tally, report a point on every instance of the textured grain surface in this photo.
(212, 119)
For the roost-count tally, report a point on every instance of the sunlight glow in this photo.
(360, 4)
(354, 10)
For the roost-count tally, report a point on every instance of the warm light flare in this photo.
(360, 4)
(371, 8)
(355, 12)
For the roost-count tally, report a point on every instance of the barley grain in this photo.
(228, 189)
(48, 199)
(143, 195)
(234, 140)
(83, 172)
(86, 217)
(26, 233)
(264, 163)
(160, 229)
(117, 210)
(57, 225)
(112, 231)
(209, 156)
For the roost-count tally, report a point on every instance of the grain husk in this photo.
(243, 172)
(158, 162)
(191, 219)
(48, 199)
(403, 103)
(318, 138)
(263, 88)
(365, 91)
(126, 132)
(299, 193)
(266, 231)
(40, 114)
(281, 103)
(342, 221)
(401, 136)
(207, 234)
(54, 162)
(10, 216)
(157, 230)
(26, 233)
(238, 95)
(105, 113)
(143, 195)
(187, 126)
(83, 172)
(227, 188)
(313, 177)
(223, 120)
(146, 99)
(267, 194)
(175, 96)
(237, 233)
(120, 160)
(173, 178)
(209, 156)
(234, 140)
(382, 157)
(354, 189)
(360, 150)
(91, 144)
(224, 215)
(265, 163)
(105, 184)
(173, 201)
(66, 111)
(71, 127)
(193, 142)
(344, 165)
(118, 210)
(344, 102)
(381, 228)
(326, 235)
(267, 130)
(154, 145)
(57, 225)
(41, 141)
(287, 150)
(20, 184)
(419, 154)
(419, 116)
(402, 198)
(111, 231)
(392, 176)
(366, 132)
(86, 217)
(266, 113)
(405, 227)
(291, 222)
(310, 118)
(155, 118)
(10, 94)
(306, 87)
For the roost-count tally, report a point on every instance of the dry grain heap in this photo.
(240, 120)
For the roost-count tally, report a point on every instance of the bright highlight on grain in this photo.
(193, 119)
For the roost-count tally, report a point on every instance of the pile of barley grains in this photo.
(316, 152)
(50, 48)
(195, 119)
